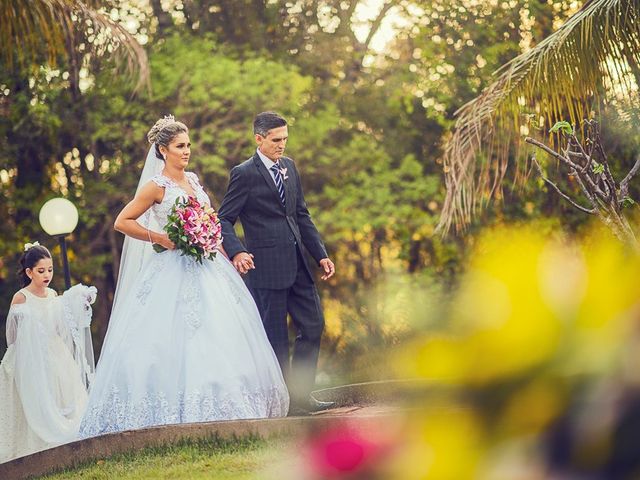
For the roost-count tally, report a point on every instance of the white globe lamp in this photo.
(59, 217)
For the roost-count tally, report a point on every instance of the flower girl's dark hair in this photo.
(29, 259)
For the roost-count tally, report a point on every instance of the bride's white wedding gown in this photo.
(187, 345)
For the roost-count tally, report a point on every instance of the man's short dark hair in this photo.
(266, 121)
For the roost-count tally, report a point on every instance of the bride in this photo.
(185, 341)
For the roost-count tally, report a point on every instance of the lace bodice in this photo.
(172, 190)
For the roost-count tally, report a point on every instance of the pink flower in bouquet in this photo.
(194, 229)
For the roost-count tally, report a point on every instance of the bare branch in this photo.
(597, 145)
(609, 192)
(579, 170)
(575, 141)
(375, 25)
(576, 154)
(624, 184)
(348, 12)
(574, 173)
(552, 152)
(560, 192)
(345, 17)
(592, 126)
(597, 184)
(604, 194)
(571, 153)
(587, 171)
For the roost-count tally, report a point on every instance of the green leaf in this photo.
(597, 168)
(628, 202)
(563, 126)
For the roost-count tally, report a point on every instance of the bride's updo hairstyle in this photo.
(163, 133)
(30, 259)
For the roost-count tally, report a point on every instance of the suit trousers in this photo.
(302, 302)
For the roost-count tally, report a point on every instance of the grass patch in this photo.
(240, 459)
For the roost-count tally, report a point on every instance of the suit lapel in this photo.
(266, 175)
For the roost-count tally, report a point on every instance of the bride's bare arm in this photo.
(126, 220)
(223, 251)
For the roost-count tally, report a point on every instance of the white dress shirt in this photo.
(267, 163)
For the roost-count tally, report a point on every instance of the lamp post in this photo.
(59, 217)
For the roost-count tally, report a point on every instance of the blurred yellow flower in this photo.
(443, 443)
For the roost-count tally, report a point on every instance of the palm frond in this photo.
(596, 51)
(41, 30)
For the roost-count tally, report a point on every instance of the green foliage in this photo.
(628, 202)
(217, 96)
(561, 76)
(563, 126)
(367, 136)
(597, 168)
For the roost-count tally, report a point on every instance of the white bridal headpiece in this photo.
(167, 120)
(28, 246)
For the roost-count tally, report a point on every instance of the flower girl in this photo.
(48, 365)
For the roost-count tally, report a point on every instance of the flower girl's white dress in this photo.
(44, 373)
(184, 344)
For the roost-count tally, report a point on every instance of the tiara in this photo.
(168, 120)
(28, 246)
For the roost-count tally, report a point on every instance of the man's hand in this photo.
(243, 262)
(329, 268)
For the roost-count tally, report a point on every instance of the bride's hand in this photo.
(163, 240)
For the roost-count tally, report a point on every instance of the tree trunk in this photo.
(164, 18)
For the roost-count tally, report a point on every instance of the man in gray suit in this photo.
(265, 193)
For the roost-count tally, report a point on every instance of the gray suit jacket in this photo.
(272, 233)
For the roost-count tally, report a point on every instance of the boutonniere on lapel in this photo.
(283, 172)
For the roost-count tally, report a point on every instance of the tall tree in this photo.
(40, 31)
(594, 56)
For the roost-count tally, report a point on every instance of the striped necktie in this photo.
(279, 183)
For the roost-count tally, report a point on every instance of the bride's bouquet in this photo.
(194, 229)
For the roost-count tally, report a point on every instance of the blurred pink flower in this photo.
(344, 451)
